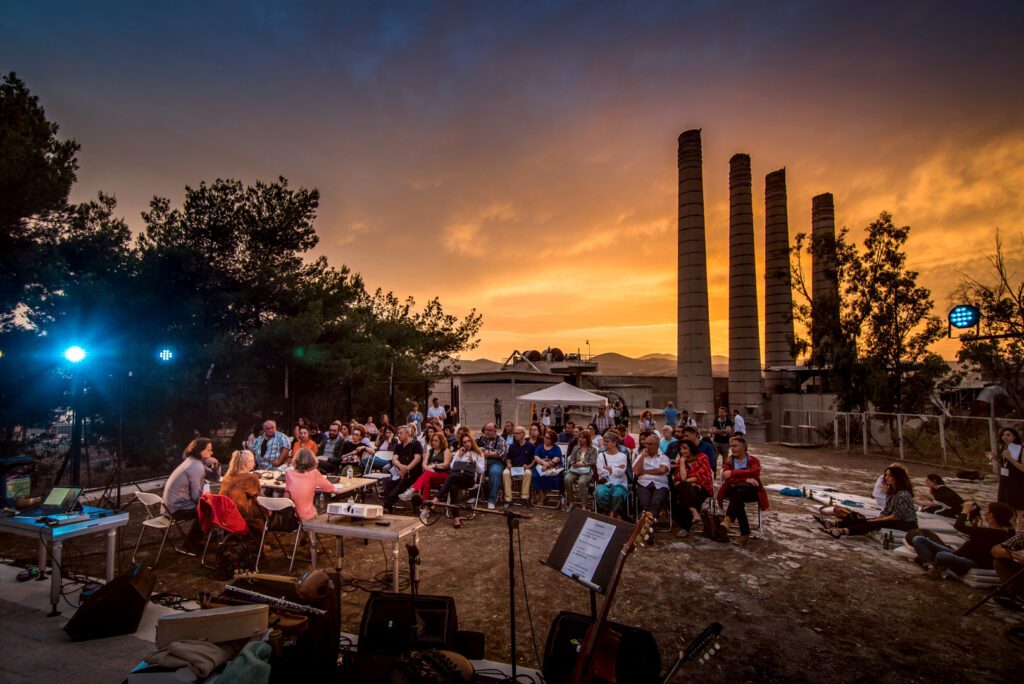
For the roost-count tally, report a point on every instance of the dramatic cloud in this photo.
(520, 157)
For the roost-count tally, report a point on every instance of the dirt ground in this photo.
(796, 605)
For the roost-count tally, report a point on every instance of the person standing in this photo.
(272, 448)
(558, 412)
(415, 417)
(739, 424)
(497, 411)
(1011, 469)
(436, 410)
(671, 414)
(721, 431)
(602, 421)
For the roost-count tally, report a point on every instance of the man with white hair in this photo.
(271, 448)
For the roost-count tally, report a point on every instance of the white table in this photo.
(344, 485)
(340, 527)
(100, 520)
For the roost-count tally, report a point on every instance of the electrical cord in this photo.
(526, 597)
(67, 577)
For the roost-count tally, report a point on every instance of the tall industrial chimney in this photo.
(745, 393)
(778, 288)
(694, 387)
(824, 277)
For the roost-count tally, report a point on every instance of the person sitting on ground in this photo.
(436, 467)
(520, 457)
(580, 470)
(301, 483)
(548, 472)
(612, 491)
(945, 501)
(693, 484)
(493, 448)
(406, 466)
(184, 486)
(242, 486)
(1010, 461)
(976, 552)
(272, 448)
(741, 483)
(1008, 561)
(704, 445)
(466, 463)
(880, 491)
(651, 469)
(899, 513)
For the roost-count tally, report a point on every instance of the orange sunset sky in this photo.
(519, 158)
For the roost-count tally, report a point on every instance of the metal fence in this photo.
(956, 441)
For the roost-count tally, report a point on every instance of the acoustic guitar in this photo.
(602, 664)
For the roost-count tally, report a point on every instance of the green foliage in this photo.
(874, 336)
(1000, 296)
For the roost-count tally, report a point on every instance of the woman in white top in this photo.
(612, 492)
(466, 463)
(651, 470)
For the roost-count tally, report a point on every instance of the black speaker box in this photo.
(116, 608)
(395, 623)
(638, 660)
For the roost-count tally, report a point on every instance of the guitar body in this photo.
(622, 654)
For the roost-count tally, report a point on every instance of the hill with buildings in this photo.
(611, 363)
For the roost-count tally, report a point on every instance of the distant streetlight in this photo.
(75, 354)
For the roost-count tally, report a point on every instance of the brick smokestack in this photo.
(824, 278)
(694, 387)
(778, 287)
(745, 391)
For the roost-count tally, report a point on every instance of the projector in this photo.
(355, 510)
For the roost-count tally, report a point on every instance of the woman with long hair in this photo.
(694, 483)
(436, 466)
(581, 466)
(303, 481)
(242, 486)
(547, 458)
(900, 512)
(612, 491)
(184, 486)
(466, 464)
(976, 552)
(1011, 469)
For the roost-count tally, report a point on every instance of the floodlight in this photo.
(74, 354)
(165, 355)
(964, 316)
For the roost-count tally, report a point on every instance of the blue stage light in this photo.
(74, 354)
(165, 355)
(964, 316)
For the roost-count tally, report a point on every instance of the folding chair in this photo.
(381, 475)
(216, 526)
(155, 521)
(755, 530)
(478, 485)
(271, 507)
(659, 525)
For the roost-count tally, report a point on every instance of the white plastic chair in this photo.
(271, 505)
(155, 521)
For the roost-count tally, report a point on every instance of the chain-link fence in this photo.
(955, 441)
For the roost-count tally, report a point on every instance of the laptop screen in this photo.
(64, 497)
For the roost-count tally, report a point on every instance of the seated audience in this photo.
(580, 470)
(741, 484)
(466, 463)
(406, 466)
(303, 481)
(651, 469)
(436, 467)
(302, 441)
(272, 448)
(704, 445)
(899, 513)
(976, 552)
(493, 447)
(506, 432)
(358, 450)
(370, 428)
(242, 486)
(694, 483)
(612, 491)
(548, 472)
(667, 437)
(519, 456)
(945, 501)
(386, 441)
(184, 486)
(567, 432)
(330, 445)
(647, 420)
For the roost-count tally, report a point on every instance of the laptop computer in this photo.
(60, 501)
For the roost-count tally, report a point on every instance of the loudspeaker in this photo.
(637, 660)
(395, 623)
(116, 608)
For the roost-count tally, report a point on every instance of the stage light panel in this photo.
(964, 316)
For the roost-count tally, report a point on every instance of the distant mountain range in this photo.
(615, 364)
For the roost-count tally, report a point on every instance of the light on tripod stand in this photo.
(74, 354)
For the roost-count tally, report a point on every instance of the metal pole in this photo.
(835, 429)
(899, 433)
(942, 436)
(864, 417)
(76, 431)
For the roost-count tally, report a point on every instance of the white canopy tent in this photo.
(562, 393)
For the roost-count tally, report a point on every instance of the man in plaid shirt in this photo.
(272, 448)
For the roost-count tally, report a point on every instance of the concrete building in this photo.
(824, 277)
(778, 285)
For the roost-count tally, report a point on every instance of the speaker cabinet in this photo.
(116, 608)
(395, 623)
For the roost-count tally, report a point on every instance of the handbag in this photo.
(467, 467)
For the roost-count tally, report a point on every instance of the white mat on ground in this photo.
(976, 579)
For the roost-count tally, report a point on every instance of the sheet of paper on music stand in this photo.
(517, 471)
(588, 549)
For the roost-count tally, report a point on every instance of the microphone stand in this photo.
(512, 522)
